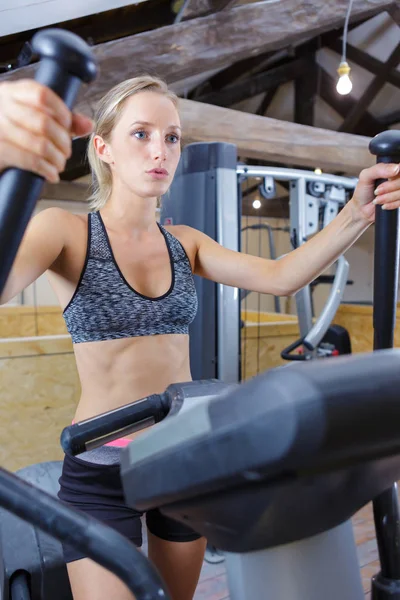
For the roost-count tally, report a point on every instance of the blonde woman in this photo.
(125, 285)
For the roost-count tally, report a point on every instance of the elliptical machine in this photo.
(272, 471)
(216, 496)
(260, 443)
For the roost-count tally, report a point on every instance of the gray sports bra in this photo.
(104, 305)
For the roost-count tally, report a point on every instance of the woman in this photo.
(126, 285)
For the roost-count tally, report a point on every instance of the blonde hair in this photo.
(108, 111)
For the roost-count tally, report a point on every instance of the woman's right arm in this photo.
(35, 134)
(41, 245)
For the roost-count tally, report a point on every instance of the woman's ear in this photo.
(102, 149)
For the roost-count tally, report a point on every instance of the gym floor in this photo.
(213, 585)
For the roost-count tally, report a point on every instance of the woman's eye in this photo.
(140, 135)
(173, 138)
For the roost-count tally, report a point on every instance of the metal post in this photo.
(386, 146)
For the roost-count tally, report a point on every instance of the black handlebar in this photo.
(65, 62)
(99, 542)
(111, 425)
(286, 353)
(386, 147)
(137, 415)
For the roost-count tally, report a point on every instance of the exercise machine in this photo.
(314, 201)
(272, 471)
(326, 433)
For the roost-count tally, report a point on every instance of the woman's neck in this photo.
(133, 215)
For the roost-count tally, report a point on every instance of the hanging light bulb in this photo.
(256, 204)
(344, 85)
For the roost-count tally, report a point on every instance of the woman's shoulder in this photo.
(183, 231)
(187, 236)
(60, 216)
(66, 223)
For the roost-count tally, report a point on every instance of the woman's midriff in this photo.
(117, 372)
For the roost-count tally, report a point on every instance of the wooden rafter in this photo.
(306, 86)
(252, 86)
(99, 28)
(271, 140)
(305, 94)
(266, 101)
(242, 68)
(183, 50)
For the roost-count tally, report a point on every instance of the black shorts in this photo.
(97, 490)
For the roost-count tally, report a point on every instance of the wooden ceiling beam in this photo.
(273, 140)
(252, 86)
(99, 28)
(182, 50)
(266, 101)
(242, 68)
(306, 85)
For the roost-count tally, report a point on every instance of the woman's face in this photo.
(144, 147)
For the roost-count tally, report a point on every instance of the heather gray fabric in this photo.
(105, 307)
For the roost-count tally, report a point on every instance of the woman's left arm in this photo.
(288, 275)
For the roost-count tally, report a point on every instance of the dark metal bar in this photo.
(66, 61)
(98, 541)
(386, 146)
(111, 425)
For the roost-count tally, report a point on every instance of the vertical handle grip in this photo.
(386, 147)
(65, 62)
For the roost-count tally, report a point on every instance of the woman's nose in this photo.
(159, 151)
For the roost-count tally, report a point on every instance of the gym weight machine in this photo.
(207, 194)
